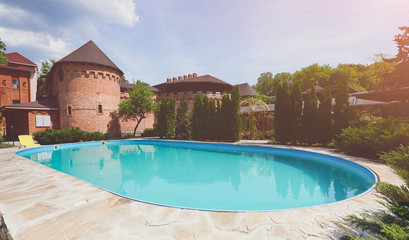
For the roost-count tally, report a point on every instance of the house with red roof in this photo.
(18, 80)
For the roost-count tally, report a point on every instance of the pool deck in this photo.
(40, 203)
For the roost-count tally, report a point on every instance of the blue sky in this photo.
(235, 41)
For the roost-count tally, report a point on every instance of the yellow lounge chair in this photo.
(27, 140)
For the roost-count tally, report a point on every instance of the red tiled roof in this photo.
(90, 53)
(201, 83)
(18, 58)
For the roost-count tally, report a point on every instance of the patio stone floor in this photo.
(40, 203)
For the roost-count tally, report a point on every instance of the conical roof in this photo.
(90, 53)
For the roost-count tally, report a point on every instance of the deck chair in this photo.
(26, 140)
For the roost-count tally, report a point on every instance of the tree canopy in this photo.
(402, 41)
(313, 74)
(124, 80)
(267, 84)
(46, 67)
(137, 106)
(3, 59)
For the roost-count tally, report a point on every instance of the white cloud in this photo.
(120, 11)
(53, 47)
(18, 16)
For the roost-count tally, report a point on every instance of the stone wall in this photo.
(4, 232)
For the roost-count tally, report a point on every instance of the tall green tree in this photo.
(295, 113)
(182, 123)
(205, 118)
(265, 84)
(166, 123)
(3, 59)
(135, 108)
(161, 110)
(197, 122)
(282, 114)
(342, 113)
(310, 117)
(236, 116)
(219, 123)
(349, 75)
(171, 118)
(46, 67)
(325, 132)
(313, 74)
(225, 117)
(211, 110)
(402, 41)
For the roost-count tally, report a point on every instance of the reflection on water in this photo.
(207, 179)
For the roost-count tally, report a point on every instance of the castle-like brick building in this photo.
(83, 88)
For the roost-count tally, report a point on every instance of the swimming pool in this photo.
(207, 176)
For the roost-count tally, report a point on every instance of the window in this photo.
(69, 111)
(16, 101)
(43, 121)
(99, 108)
(16, 84)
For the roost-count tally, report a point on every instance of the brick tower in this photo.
(86, 84)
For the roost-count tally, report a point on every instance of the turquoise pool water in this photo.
(221, 177)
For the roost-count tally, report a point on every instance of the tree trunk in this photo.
(136, 127)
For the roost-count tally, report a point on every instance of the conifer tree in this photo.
(211, 111)
(166, 118)
(197, 118)
(225, 117)
(219, 122)
(295, 113)
(281, 114)
(171, 118)
(342, 112)
(310, 117)
(205, 118)
(161, 118)
(325, 113)
(236, 117)
(182, 125)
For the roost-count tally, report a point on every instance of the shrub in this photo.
(374, 138)
(393, 225)
(149, 132)
(74, 134)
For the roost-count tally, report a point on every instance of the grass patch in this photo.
(5, 145)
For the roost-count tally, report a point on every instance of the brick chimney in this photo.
(179, 78)
(174, 79)
(190, 76)
(184, 77)
(194, 75)
(168, 80)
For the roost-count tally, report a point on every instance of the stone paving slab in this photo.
(40, 203)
